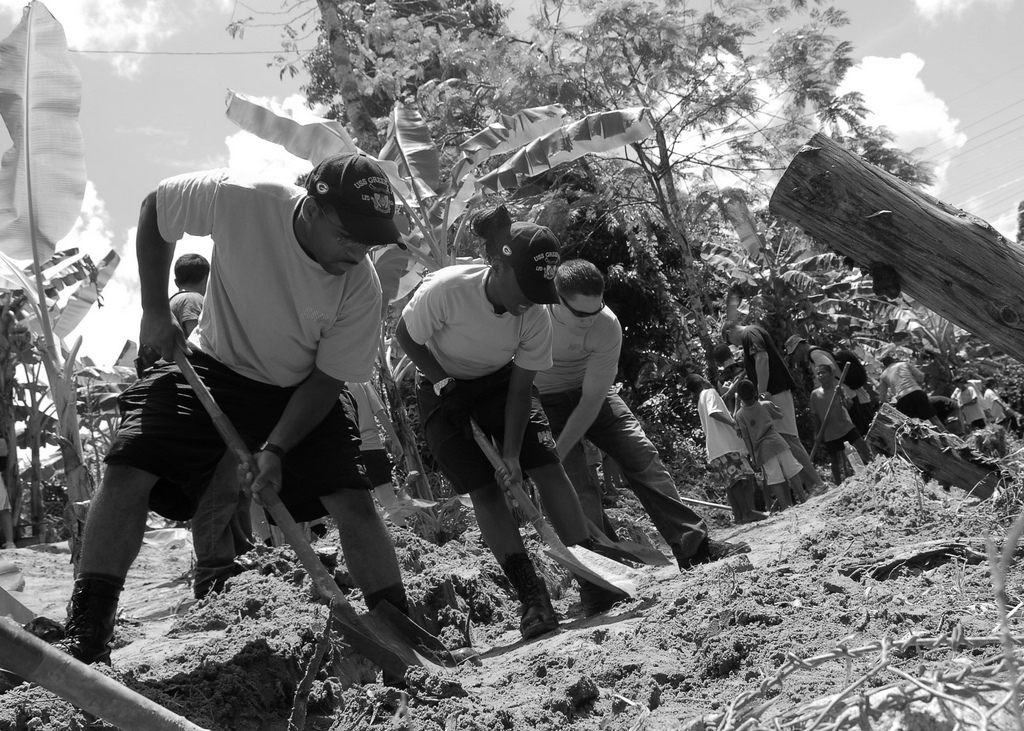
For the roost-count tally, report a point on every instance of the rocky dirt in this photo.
(863, 567)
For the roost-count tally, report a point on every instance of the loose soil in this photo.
(862, 567)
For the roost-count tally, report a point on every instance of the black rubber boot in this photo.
(538, 616)
(88, 630)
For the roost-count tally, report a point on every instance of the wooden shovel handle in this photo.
(323, 581)
(515, 488)
(828, 410)
(77, 683)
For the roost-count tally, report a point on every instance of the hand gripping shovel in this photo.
(576, 559)
(385, 635)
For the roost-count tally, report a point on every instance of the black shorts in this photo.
(378, 466)
(452, 445)
(165, 430)
(833, 446)
(916, 405)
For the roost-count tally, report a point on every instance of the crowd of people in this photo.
(283, 327)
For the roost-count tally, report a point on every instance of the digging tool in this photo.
(705, 503)
(576, 559)
(32, 659)
(11, 607)
(626, 549)
(385, 635)
(828, 410)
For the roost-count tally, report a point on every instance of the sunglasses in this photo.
(579, 313)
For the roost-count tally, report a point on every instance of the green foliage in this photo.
(736, 88)
(437, 56)
(945, 351)
(793, 288)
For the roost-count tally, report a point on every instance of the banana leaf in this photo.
(410, 146)
(304, 135)
(42, 183)
(506, 135)
(40, 97)
(598, 132)
(87, 294)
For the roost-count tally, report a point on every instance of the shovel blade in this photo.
(388, 621)
(624, 549)
(630, 551)
(595, 568)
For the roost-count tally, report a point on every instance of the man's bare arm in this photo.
(159, 330)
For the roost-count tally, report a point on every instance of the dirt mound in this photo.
(860, 568)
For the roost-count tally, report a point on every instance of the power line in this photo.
(987, 131)
(972, 124)
(194, 53)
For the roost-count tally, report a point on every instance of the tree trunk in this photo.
(940, 455)
(950, 261)
(364, 129)
(672, 210)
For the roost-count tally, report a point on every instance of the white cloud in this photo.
(105, 328)
(899, 101)
(932, 9)
(121, 25)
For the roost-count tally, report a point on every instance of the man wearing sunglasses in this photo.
(292, 312)
(577, 396)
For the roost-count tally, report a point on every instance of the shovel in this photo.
(626, 549)
(577, 560)
(385, 635)
(34, 660)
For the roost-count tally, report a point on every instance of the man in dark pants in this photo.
(577, 397)
(292, 312)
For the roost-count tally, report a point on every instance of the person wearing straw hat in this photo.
(478, 339)
(292, 312)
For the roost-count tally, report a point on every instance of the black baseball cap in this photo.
(534, 253)
(354, 185)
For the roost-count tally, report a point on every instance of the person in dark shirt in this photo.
(766, 369)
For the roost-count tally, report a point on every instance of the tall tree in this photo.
(734, 90)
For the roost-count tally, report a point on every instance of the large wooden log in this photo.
(950, 261)
(940, 455)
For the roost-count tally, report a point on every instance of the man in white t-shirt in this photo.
(292, 311)
(577, 398)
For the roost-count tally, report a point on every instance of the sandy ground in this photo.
(862, 567)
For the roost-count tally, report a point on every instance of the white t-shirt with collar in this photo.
(271, 312)
(451, 315)
(577, 352)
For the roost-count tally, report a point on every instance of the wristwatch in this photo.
(439, 386)
(273, 449)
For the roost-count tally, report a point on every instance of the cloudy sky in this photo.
(947, 76)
